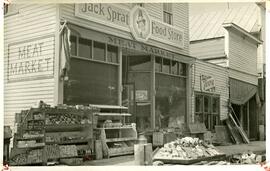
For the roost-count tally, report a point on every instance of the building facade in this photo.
(230, 41)
(134, 55)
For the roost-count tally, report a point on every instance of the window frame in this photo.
(167, 13)
(106, 61)
(205, 114)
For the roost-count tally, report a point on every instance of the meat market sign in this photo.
(208, 83)
(137, 21)
(31, 59)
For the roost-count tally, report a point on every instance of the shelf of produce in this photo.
(29, 138)
(190, 161)
(116, 128)
(113, 114)
(121, 151)
(70, 142)
(38, 145)
(120, 139)
(32, 120)
(66, 127)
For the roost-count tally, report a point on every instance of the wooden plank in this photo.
(239, 129)
(232, 132)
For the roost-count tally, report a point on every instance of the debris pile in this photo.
(187, 148)
(247, 158)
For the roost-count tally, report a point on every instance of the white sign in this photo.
(31, 59)
(207, 83)
(137, 21)
(140, 25)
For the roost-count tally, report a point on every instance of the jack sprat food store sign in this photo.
(137, 21)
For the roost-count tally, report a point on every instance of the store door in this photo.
(136, 69)
(128, 101)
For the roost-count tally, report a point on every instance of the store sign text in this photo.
(169, 34)
(137, 21)
(139, 47)
(30, 59)
(103, 13)
(207, 83)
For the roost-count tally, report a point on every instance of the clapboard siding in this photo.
(32, 23)
(155, 10)
(252, 79)
(181, 20)
(220, 62)
(208, 48)
(67, 12)
(220, 75)
(242, 54)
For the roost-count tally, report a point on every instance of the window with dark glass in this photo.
(175, 67)
(207, 110)
(158, 64)
(99, 51)
(140, 63)
(182, 69)
(166, 65)
(170, 101)
(73, 40)
(85, 48)
(112, 54)
(167, 13)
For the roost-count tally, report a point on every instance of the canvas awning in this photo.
(241, 92)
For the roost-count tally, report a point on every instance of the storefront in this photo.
(151, 81)
(211, 94)
(119, 54)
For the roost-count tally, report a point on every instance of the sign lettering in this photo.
(137, 21)
(207, 83)
(31, 59)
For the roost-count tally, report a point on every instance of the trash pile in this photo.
(247, 158)
(187, 148)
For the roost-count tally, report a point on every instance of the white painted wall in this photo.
(220, 75)
(210, 48)
(29, 25)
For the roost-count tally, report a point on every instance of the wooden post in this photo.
(241, 116)
(248, 119)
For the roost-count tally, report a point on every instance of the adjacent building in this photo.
(231, 39)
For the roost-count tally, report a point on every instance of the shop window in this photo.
(175, 67)
(166, 66)
(91, 83)
(112, 54)
(73, 40)
(182, 69)
(167, 13)
(207, 110)
(140, 63)
(85, 48)
(158, 64)
(99, 51)
(170, 101)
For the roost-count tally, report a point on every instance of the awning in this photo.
(241, 92)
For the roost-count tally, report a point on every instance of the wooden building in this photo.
(228, 39)
(136, 55)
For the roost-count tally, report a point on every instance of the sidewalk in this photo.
(257, 147)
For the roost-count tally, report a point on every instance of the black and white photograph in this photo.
(134, 84)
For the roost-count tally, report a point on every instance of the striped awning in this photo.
(241, 92)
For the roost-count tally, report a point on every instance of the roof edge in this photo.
(241, 30)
